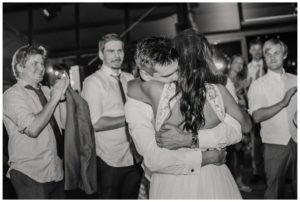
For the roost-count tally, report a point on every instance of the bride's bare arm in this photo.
(233, 109)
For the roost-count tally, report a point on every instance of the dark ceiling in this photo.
(71, 35)
(77, 26)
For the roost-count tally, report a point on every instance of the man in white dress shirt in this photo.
(256, 68)
(273, 103)
(119, 173)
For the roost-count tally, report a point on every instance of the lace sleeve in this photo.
(165, 104)
(215, 99)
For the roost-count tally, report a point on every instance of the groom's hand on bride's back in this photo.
(171, 137)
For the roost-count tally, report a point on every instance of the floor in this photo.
(257, 192)
(259, 188)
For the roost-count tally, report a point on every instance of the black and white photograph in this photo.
(149, 100)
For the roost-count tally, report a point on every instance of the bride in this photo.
(198, 104)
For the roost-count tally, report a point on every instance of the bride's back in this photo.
(176, 118)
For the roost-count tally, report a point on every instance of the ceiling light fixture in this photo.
(51, 11)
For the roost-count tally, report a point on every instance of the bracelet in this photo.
(195, 141)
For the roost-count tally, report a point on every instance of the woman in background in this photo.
(237, 73)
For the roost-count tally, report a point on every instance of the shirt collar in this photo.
(108, 71)
(24, 83)
(260, 62)
(276, 75)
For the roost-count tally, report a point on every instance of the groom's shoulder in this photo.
(134, 83)
(152, 85)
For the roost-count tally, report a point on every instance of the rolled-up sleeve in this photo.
(255, 97)
(16, 109)
(138, 116)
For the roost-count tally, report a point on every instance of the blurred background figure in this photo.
(256, 69)
(237, 73)
(221, 64)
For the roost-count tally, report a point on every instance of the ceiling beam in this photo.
(90, 25)
(220, 37)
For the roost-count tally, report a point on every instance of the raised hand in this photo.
(59, 88)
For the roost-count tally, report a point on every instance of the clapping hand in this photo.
(60, 87)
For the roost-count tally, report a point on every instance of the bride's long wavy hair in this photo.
(196, 68)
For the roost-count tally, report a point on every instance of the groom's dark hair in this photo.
(153, 50)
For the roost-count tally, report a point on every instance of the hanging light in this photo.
(51, 11)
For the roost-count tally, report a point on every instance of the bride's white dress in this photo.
(213, 182)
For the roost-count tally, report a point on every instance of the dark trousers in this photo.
(257, 151)
(235, 159)
(27, 188)
(118, 182)
(279, 160)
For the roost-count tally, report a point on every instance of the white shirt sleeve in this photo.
(255, 97)
(17, 110)
(93, 93)
(226, 133)
(138, 116)
(230, 87)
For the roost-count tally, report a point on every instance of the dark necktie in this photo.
(258, 71)
(135, 154)
(58, 136)
(121, 87)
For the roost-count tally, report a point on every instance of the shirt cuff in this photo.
(193, 161)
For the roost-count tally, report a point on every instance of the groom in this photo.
(155, 62)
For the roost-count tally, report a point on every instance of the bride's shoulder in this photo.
(151, 85)
(133, 85)
(215, 96)
(214, 90)
(219, 92)
(144, 91)
(153, 89)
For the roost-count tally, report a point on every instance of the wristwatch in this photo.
(195, 141)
